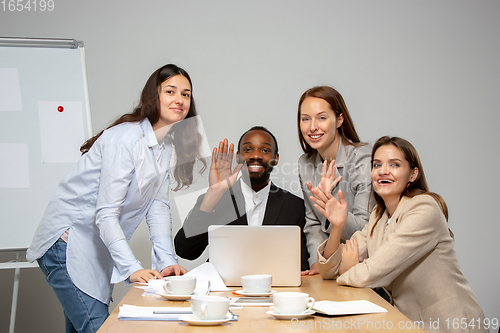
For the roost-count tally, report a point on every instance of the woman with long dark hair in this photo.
(406, 247)
(123, 176)
(331, 147)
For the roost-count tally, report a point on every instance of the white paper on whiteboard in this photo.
(10, 91)
(61, 132)
(14, 169)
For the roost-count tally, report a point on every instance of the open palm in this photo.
(328, 179)
(334, 210)
(221, 177)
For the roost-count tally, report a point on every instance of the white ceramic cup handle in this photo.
(166, 286)
(203, 309)
(309, 303)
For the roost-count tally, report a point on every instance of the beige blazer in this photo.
(415, 261)
(353, 164)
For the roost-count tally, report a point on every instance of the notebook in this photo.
(236, 251)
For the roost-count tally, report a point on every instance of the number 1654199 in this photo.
(27, 5)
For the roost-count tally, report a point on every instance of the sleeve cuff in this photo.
(328, 267)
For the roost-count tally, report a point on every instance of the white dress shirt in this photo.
(255, 203)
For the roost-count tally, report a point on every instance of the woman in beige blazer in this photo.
(406, 247)
(327, 135)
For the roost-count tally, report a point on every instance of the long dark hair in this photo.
(185, 135)
(418, 186)
(334, 98)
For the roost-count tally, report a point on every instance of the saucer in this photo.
(302, 315)
(171, 297)
(193, 320)
(244, 293)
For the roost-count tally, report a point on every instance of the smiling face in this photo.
(391, 174)
(258, 149)
(175, 100)
(319, 124)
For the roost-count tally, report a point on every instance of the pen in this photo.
(172, 312)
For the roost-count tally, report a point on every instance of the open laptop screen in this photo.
(236, 251)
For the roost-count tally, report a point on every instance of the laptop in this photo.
(237, 250)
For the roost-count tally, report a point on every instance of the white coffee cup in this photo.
(292, 302)
(210, 307)
(257, 283)
(179, 285)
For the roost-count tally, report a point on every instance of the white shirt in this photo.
(387, 224)
(123, 178)
(255, 203)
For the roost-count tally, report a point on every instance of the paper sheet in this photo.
(61, 131)
(207, 271)
(347, 308)
(10, 92)
(14, 169)
(132, 312)
(156, 286)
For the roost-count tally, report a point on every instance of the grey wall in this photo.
(424, 70)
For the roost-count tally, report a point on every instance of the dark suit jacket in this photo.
(283, 208)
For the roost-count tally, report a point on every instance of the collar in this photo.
(395, 216)
(150, 136)
(256, 197)
(340, 159)
(341, 155)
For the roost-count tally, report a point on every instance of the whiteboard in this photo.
(48, 107)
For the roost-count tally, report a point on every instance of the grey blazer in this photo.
(416, 262)
(353, 164)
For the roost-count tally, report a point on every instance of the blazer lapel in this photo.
(273, 206)
(316, 178)
(238, 203)
(378, 229)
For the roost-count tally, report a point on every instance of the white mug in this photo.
(292, 302)
(179, 285)
(210, 307)
(257, 283)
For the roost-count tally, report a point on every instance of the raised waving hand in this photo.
(220, 176)
(328, 178)
(334, 210)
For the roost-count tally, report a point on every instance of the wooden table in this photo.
(253, 319)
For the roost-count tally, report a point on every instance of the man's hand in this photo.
(220, 177)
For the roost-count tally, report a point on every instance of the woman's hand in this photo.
(350, 255)
(334, 210)
(328, 180)
(144, 275)
(173, 270)
(312, 271)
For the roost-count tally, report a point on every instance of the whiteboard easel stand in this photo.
(17, 264)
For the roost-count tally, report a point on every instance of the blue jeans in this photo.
(83, 314)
